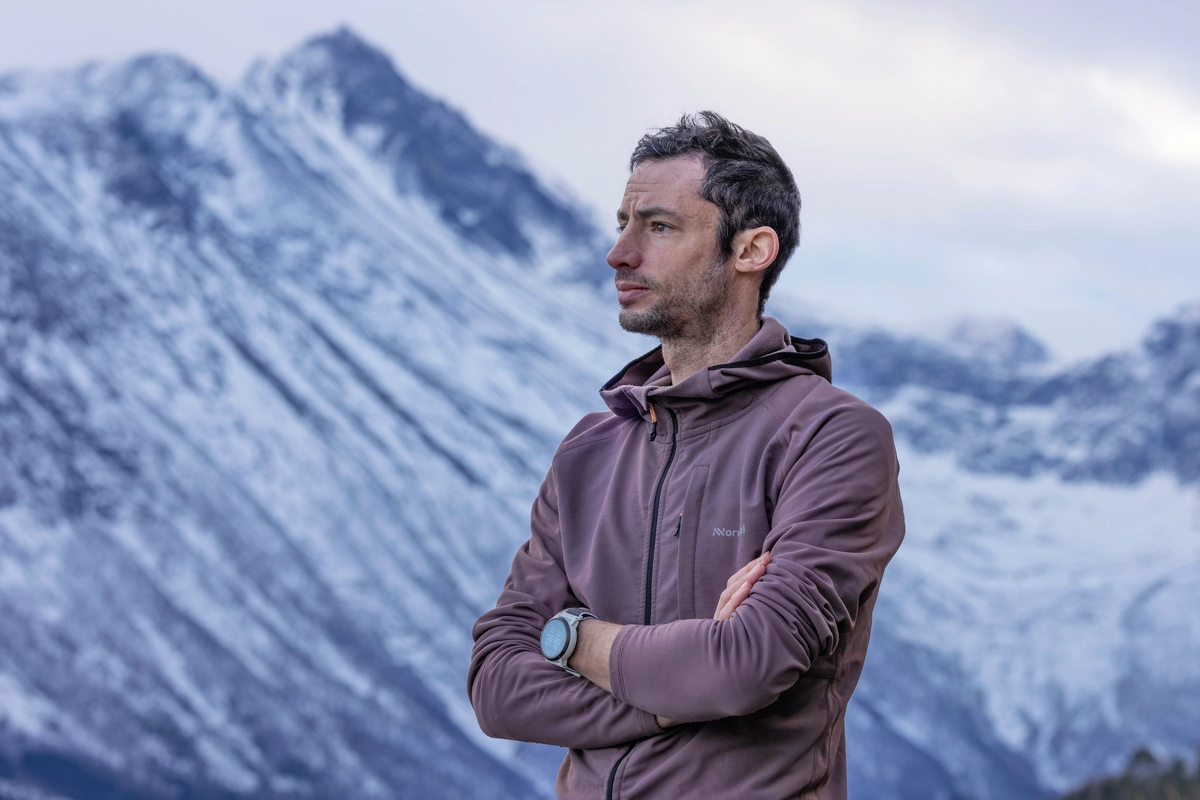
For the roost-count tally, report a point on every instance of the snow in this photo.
(1029, 584)
(24, 710)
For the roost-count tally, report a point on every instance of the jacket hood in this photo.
(771, 355)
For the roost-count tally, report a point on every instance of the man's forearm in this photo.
(517, 694)
(660, 649)
(594, 646)
(721, 659)
(592, 653)
(592, 650)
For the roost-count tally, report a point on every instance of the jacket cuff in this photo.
(616, 675)
(616, 679)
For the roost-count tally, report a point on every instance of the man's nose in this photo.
(624, 253)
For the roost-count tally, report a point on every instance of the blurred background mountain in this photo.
(282, 363)
(1145, 779)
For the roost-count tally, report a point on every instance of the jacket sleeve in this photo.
(515, 692)
(836, 524)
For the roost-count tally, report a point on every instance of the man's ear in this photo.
(755, 249)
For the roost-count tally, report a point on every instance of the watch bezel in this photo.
(570, 617)
(566, 641)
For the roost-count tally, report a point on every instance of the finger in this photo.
(733, 597)
(736, 578)
(755, 570)
(752, 574)
(725, 611)
(735, 600)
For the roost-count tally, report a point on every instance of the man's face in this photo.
(670, 279)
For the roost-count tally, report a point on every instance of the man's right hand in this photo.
(737, 589)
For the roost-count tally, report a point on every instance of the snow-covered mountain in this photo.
(282, 365)
(274, 394)
(1040, 620)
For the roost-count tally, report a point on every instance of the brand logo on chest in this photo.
(729, 531)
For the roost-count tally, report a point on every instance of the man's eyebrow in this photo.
(651, 211)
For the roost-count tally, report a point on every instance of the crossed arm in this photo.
(837, 522)
(520, 695)
(592, 652)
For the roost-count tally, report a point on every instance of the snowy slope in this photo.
(281, 366)
(1055, 620)
(1039, 623)
(270, 426)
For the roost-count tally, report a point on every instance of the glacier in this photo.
(282, 365)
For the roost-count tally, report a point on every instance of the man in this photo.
(691, 611)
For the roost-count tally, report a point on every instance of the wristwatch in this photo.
(560, 635)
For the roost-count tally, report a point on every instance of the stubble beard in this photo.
(687, 313)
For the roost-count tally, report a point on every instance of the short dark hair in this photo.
(744, 177)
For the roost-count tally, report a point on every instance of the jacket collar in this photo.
(771, 355)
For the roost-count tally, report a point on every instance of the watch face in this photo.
(555, 636)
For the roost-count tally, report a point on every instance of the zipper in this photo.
(612, 776)
(657, 497)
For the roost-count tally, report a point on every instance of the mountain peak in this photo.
(348, 47)
(994, 340)
(344, 61)
(483, 190)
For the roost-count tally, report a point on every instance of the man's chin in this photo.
(651, 322)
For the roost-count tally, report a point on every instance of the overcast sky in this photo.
(1032, 160)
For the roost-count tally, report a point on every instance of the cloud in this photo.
(1001, 158)
(1165, 121)
(949, 170)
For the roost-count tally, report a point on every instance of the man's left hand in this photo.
(737, 588)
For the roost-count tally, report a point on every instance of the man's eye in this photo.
(659, 227)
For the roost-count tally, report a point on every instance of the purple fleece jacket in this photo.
(643, 522)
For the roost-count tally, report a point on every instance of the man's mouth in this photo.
(628, 291)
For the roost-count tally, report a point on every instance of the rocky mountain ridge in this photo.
(990, 397)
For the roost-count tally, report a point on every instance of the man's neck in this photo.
(687, 355)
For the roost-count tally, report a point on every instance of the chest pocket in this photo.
(689, 530)
(708, 555)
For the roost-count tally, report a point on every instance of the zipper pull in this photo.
(678, 523)
(653, 422)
